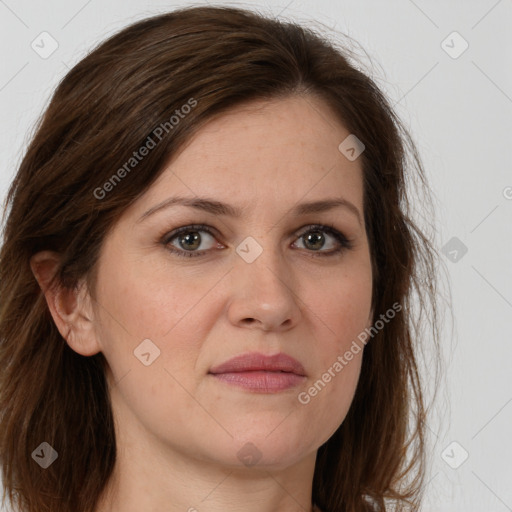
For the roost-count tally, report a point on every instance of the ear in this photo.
(71, 309)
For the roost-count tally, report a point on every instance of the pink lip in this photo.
(259, 372)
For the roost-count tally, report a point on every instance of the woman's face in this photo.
(257, 283)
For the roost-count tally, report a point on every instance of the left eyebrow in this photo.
(219, 208)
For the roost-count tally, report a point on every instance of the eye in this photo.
(188, 240)
(313, 239)
(185, 241)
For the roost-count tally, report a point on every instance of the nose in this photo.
(264, 293)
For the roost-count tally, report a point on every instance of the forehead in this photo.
(267, 152)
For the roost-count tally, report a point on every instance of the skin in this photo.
(179, 429)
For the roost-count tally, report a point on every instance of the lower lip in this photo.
(261, 381)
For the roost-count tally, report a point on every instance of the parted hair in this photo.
(103, 110)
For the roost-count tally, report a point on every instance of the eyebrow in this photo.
(214, 207)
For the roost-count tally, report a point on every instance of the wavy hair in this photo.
(105, 108)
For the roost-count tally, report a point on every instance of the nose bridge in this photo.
(263, 283)
(261, 256)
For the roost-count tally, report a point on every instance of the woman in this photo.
(206, 280)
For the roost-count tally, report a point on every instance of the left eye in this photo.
(190, 239)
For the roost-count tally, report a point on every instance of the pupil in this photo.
(319, 238)
(195, 237)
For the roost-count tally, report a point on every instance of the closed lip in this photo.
(255, 361)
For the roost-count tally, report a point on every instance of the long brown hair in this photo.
(105, 108)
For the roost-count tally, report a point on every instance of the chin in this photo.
(269, 450)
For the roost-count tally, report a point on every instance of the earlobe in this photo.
(71, 309)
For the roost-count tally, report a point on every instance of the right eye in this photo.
(188, 237)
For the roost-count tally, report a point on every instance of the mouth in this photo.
(261, 373)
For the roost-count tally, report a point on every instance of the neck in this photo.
(154, 478)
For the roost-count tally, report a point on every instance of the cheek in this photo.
(329, 397)
(140, 301)
(341, 312)
(341, 316)
(144, 299)
(342, 309)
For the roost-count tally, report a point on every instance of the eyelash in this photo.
(345, 244)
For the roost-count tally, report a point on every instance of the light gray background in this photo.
(459, 112)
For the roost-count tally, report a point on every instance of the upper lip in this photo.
(255, 361)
